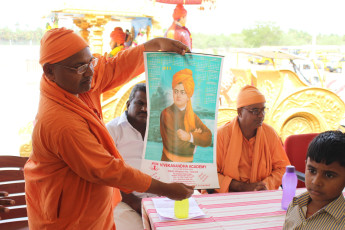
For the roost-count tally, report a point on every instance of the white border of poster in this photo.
(206, 71)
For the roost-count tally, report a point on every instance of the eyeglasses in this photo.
(257, 111)
(83, 68)
(181, 92)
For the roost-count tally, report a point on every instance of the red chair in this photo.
(296, 147)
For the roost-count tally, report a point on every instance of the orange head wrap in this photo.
(179, 12)
(118, 36)
(249, 95)
(59, 44)
(185, 77)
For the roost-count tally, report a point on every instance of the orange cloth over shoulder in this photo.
(185, 77)
(73, 176)
(266, 161)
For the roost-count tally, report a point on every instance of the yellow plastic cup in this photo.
(181, 208)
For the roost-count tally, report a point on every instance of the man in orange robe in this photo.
(250, 155)
(74, 173)
(178, 29)
(181, 129)
(117, 41)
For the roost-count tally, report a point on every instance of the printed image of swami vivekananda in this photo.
(181, 129)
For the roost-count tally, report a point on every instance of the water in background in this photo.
(20, 76)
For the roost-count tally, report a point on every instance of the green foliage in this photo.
(5, 34)
(263, 34)
(331, 39)
(20, 36)
(237, 40)
(296, 38)
(204, 41)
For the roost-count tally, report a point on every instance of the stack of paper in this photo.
(165, 209)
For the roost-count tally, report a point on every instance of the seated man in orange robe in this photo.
(181, 129)
(250, 155)
(178, 30)
(74, 173)
(117, 41)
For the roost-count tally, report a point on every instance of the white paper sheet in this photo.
(165, 209)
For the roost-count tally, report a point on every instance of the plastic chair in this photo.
(12, 181)
(296, 147)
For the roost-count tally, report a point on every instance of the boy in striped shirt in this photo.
(323, 205)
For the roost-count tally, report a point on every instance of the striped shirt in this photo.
(332, 216)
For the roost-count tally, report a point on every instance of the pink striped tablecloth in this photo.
(244, 210)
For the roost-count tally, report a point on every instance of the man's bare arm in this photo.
(132, 200)
(174, 191)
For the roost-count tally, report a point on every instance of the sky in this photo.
(229, 16)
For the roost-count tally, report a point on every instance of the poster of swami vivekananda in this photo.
(180, 140)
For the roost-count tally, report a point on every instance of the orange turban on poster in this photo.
(249, 95)
(179, 12)
(118, 36)
(59, 44)
(185, 77)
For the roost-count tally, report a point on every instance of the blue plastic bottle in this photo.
(289, 183)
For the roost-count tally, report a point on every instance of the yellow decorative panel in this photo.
(310, 109)
(270, 83)
(225, 115)
(25, 136)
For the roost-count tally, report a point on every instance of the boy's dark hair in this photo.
(138, 87)
(328, 147)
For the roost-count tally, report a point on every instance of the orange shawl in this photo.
(268, 162)
(74, 172)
